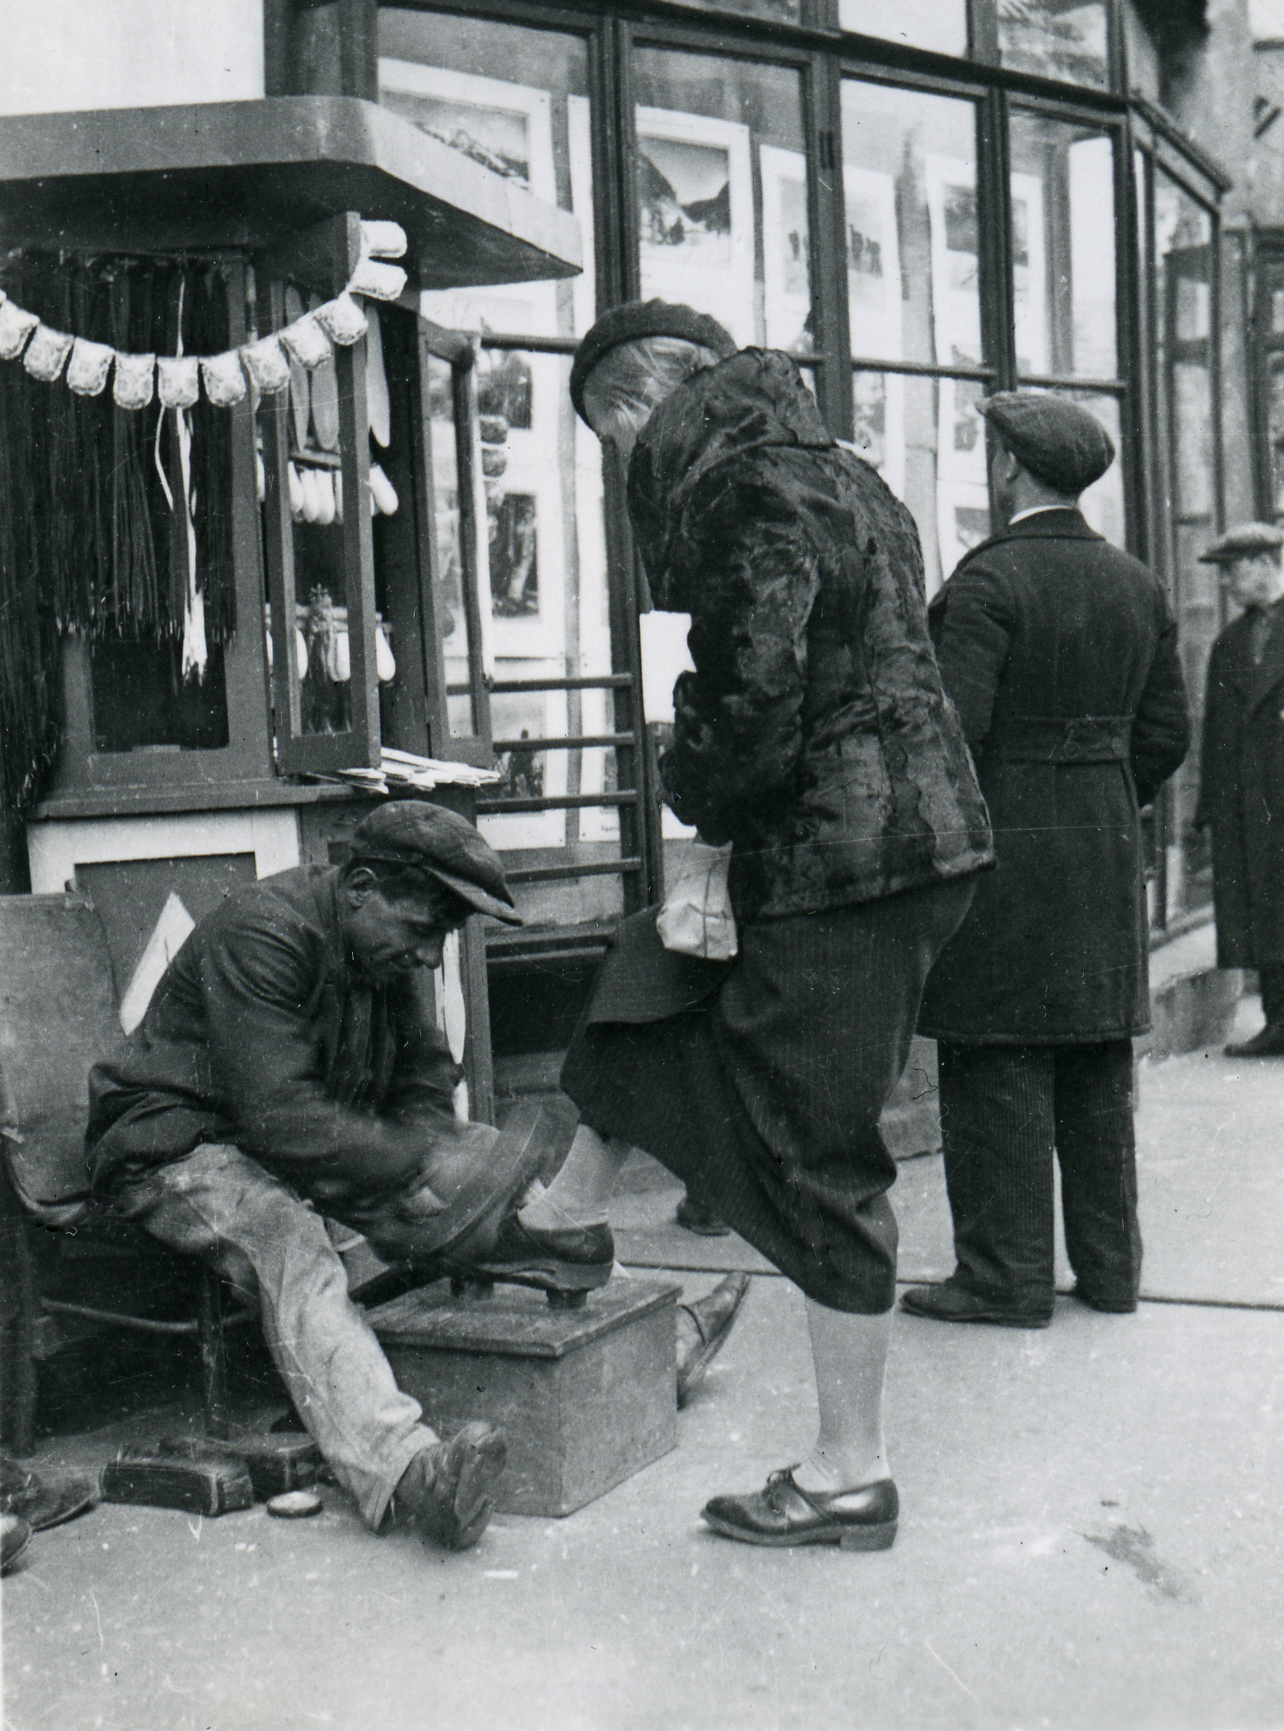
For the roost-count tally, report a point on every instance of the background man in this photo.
(290, 1056)
(1241, 783)
(1060, 653)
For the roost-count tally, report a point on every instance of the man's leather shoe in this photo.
(695, 1217)
(448, 1489)
(1268, 1044)
(950, 1302)
(703, 1328)
(1111, 1306)
(784, 1514)
(44, 1502)
(559, 1259)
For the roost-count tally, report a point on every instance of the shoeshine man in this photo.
(813, 736)
(290, 1067)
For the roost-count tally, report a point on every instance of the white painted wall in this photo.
(63, 55)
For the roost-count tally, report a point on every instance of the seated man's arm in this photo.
(425, 1077)
(259, 979)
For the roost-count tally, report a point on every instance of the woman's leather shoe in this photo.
(783, 1514)
(703, 1328)
(561, 1259)
(950, 1302)
(44, 1502)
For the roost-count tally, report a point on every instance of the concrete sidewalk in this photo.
(1091, 1533)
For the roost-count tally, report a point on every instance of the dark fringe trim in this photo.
(88, 542)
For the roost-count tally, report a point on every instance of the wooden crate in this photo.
(586, 1397)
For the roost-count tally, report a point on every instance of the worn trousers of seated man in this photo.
(272, 1246)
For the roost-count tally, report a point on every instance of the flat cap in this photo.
(1056, 439)
(637, 319)
(411, 832)
(1245, 541)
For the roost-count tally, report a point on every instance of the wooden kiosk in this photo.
(347, 634)
(308, 635)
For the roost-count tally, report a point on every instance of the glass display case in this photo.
(372, 512)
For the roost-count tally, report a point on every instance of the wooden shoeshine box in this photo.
(586, 1397)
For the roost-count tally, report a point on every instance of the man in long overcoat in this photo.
(1241, 782)
(1060, 653)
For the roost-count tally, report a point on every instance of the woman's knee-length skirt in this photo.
(760, 1082)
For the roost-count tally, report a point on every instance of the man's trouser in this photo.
(1005, 1110)
(1270, 976)
(273, 1247)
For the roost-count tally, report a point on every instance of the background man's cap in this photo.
(1245, 541)
(637, 319)
(411, 832)
(1059, 442)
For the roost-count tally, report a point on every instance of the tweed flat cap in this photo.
(635, 319)
(1057, 441)
(411, 832)
(1245, 541)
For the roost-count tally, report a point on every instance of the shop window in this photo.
(142, 701)
(913, 292)
(1270, 329)
(565, 811)
(1063, 249)
(1184, 261)
(721, 187)
(1056, 39)
(938, 24)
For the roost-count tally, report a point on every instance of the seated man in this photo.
(290, 1066)
(290, 1057)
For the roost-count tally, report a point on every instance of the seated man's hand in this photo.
(417, 1203)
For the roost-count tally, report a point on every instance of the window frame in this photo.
(825, 54)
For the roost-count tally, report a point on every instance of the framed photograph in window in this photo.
(873, 263)
(963, 520)
(878, 435)
(696, 215)
(786, 250)
(526, 771)
(527, 557)
(961, 447)
(507, 128)
(956, 293)
(1032, 292)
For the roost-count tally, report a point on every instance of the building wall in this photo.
(65, 55)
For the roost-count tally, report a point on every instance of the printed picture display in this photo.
(695, 215)
(874, 301)
(786, 248)
(962, 494)
(508, 129)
